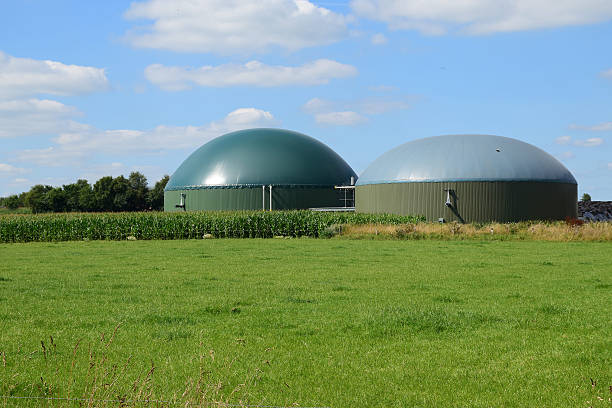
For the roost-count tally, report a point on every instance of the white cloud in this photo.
(315, 105)
(252, 73)
(234, 26)
(74, 147)
(610, 165)
(566, 155)
(35, 117)
(563, 140)
(7, 170)
(50, 156)
(378, 39)
(350, 113)
(25, 77)
(478, 17)
(345, 118)
(590, 142)
(607, 74)
(601, 127)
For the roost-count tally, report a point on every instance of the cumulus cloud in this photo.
(350, 113)
(479, 17)
(234, 26)
(72, 147)
(607, 74)
(252, 73)
(610, 165)
(25, 77)
(35, 117)
(378, 39)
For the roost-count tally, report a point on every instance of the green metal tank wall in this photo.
(252, 198)
(474, 201)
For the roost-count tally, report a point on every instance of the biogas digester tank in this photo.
(471, 178)
(235, 172)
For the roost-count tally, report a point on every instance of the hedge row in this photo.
(191, 225)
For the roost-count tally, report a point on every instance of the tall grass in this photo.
(532, 230)
(191, 225)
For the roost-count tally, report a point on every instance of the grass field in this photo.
(338, 323)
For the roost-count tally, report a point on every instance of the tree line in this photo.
(108, 194)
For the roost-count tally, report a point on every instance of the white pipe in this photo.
(263, 198)
(270, 197)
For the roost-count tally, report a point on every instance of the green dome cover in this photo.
(256, 157)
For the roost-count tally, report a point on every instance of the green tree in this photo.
(56, 198)
(79, 196)
(120, 190)
(102, 195)
(156, 195)
(12, 202)
(86, 198)
(22, 199)
(586, 197)
(137, 194)
(37, 198)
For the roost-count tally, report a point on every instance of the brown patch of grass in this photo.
(532, 231)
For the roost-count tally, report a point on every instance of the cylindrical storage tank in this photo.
(236, 172)
(468, 178)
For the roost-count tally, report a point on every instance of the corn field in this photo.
(191, 225)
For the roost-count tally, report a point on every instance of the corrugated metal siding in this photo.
(221, 199)
(475, 201)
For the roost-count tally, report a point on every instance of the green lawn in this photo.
(338, 323)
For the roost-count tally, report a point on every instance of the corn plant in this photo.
(190, 225)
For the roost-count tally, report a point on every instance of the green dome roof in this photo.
(261, 157)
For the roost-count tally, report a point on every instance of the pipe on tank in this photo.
(270, 197)
(263, 197)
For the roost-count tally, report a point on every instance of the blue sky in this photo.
(89, 89)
